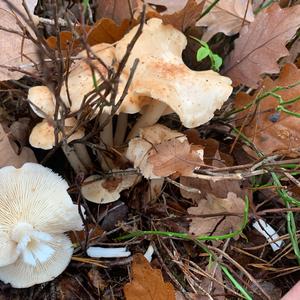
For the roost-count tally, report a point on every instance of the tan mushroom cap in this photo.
(35, 210)
(43, 100)
(80, 80)
(42, 135)
(162, 75)
(107, 190)
(139, 149)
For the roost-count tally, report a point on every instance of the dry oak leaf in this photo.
(117, 10)
(261, 44)
(107, 31)
(228, 215)
(8, 155)
(227, 16)
(175, 156)
(147, 283)
(14, 48)
(186, 17)
(170, 5)
(269, 130)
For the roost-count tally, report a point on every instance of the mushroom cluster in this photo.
(35, 211)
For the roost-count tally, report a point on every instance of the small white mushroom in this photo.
(107, 190)
(42, 101)
(98, 252)
(35, 211)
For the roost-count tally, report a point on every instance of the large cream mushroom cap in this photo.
(107, 190)
(162, 75)
(42, 135)
(42, 101)
(80, 80)
(35, 210)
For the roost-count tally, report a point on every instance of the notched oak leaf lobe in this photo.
(147, 283)
(261, 44)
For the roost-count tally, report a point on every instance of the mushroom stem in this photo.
(106, 140)
(121, 129)
(83, 155)
(151, 115)
(73, 159)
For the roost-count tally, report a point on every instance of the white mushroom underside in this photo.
(22, 275)
(25, 195)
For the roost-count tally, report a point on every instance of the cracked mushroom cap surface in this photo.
(42, 135)
(162, 75)
(80, 79)
(35, 211)
(107, 190)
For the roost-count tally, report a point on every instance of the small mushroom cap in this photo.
(43, 100)
(107, 190)
(80, 79)
(162, 75)
(35, 210)
(42, 135)
(139, 148)
(21, 275)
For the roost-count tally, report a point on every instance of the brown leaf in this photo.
(117, 10)
(227, 16)
(261, 44)
(147, 283)
(175, 156)
(226, 220)
(13, 47)
(210, 286)
(170, 5)
(8, 155)
(269, 130)
(186, 17)
(107, 31)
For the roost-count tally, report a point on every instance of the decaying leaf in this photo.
(175, 157)
(261, 44)
(186, 17)
(212, 287)
(117, 10)
(13, 54)
(147, 283)
(227, 16)
(268, 129)
(171, 6)
(228, 215)
(107, 31)
(160, 152)
(8, 155)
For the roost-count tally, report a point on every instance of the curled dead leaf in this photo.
(261, 44)
(147, 283)
(227, 215)
(268, 129)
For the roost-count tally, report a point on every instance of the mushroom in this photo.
(139, 148)
(35, 211)
(43, 136)
(42, 101)
(105, 190)
(80, 80)
(162, 75)
(98, 252)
